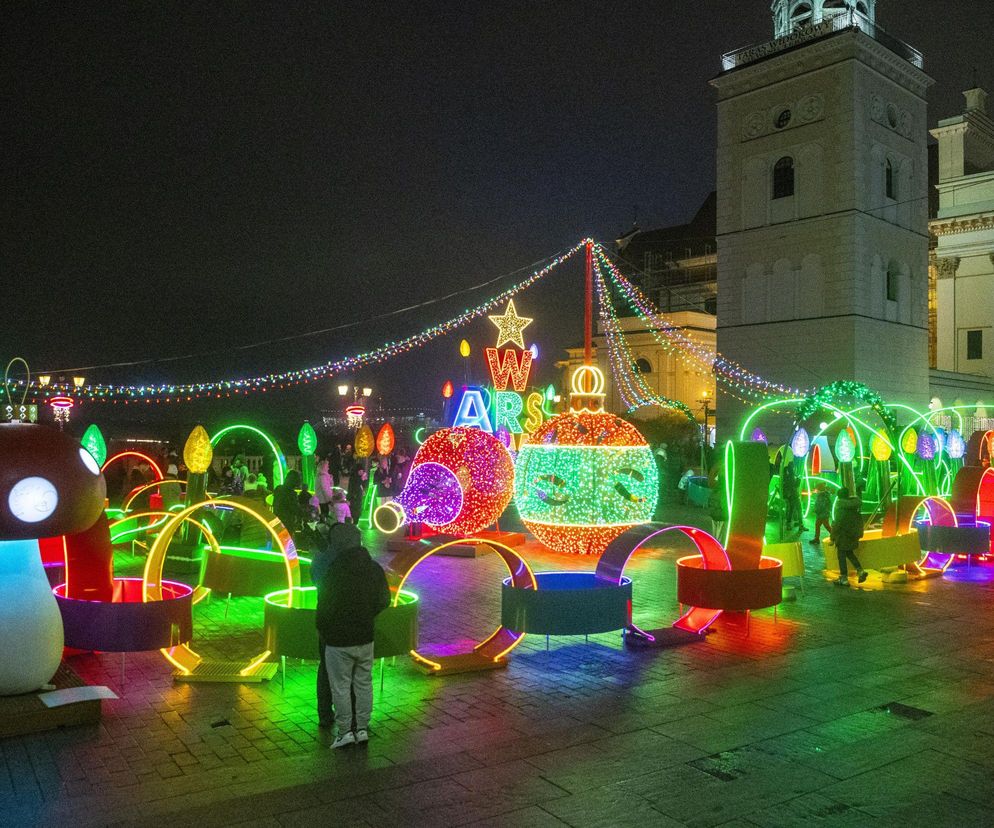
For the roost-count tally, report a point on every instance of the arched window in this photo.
(893, 271)
(800, 16)
(783, 177)
(861, 8)
(642, 366)
(834, 6)
(890, 186)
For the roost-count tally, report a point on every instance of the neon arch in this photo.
(121, 454)
(182, 656)
(279, 467)
(612, 562)
(134, 493)
(502, 640)
(985, 497)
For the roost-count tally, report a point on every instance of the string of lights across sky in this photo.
(735, 379)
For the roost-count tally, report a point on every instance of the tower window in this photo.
(783, 177)
(975, 344)
(889, 181)
(642, 366)
(891, 284)
(800, 16)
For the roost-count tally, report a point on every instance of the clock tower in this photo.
(822, 205)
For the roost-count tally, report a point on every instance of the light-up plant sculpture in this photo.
(93, 441)
(49, 486)
(585, 476)
(845, 453)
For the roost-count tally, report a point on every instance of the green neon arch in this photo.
(279, 469)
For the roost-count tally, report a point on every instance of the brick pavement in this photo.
(856, 707)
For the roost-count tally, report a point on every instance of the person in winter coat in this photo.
(351, 595)
(340, 509)
(286, 504)
(823, 512)
(847, 529)
(358, 481)
(324, 487)
(718, 508)
(791, 484)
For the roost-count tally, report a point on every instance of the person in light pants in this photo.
(352, 593)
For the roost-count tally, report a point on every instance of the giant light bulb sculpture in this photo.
(585, 476)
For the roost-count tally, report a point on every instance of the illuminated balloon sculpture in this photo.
(461, 481)
(586, 476)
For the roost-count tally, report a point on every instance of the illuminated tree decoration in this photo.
(585, 477)
(93, 442)
(385, 440)
(759, 436)
(511, 327)
(940, 441)
(847, 389)
(955, 445)
(464, 350)
(198, 451)
(880, 449)
(800, 443)
(845, 448)
(909, 442)
(364, 442)
(926, 446)
(448, 390)
(481, 467)
(307, 439)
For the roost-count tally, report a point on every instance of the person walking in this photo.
(823, 512)
(353, 592)
(792, 497)
(718, 508)
(847, 529)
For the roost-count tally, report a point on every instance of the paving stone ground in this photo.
(870, 706)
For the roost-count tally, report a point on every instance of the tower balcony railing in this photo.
(851, 19)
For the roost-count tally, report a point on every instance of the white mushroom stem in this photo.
(31, 636)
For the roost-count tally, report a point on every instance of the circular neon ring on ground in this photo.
(152, 464)
(502, 640)
(183, 657)
(567, 603)
(389, 517)
(729, 590)
(612, 562)
(291, 630)
(128, 623)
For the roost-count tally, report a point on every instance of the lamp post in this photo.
(356, 410)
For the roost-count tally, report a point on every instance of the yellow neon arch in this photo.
(182, 656)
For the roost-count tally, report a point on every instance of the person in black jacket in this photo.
(351, 595)
(847, 529)
(286, 502)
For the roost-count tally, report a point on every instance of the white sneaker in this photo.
(344, 740)
(361, 737)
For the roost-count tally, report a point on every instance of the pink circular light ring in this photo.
(612, 562)
(431, 495)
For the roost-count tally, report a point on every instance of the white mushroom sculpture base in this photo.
(49, 486)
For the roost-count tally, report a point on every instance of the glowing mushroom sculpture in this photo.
(49, 485)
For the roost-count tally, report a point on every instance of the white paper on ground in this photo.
(71, 695)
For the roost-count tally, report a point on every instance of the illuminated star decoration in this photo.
(510, 326)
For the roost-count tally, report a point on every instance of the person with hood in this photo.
(352, 593)
(286, 505)
(847, 529)
(791, 483)
(324, 486)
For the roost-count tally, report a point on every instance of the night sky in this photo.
(185, 178)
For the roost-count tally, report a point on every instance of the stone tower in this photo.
(822, 205)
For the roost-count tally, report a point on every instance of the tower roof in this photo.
(791, 15)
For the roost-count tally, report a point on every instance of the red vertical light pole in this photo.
(588, 309)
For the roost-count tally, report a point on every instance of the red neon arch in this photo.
(612, 562)
(155, 466)
(985, 497)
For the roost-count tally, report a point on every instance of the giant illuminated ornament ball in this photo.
(585, 476)
(461, 481)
